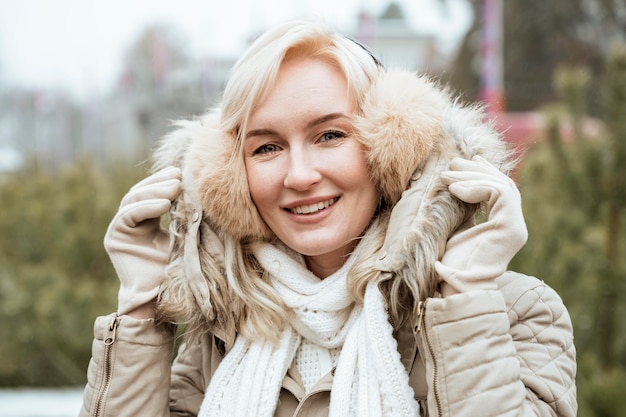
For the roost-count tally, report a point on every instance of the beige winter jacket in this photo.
(487, 353)
(481, 353)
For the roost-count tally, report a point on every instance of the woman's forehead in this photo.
(305, 85)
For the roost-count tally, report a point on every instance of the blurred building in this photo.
(393, 41)
(39, 126)
(141, 110)
(158, 86)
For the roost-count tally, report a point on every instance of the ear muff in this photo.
(400, 122)
(220, 181)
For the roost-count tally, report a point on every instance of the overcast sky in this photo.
(77, 45)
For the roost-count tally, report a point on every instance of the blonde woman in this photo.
(324, 258)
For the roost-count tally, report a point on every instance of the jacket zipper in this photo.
(421, 306)
(108, 348)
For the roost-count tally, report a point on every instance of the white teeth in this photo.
(313, 208)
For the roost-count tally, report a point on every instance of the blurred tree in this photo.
(55, 276)
(574, 200)
(539, 37)
(152, 57)
(615, 98)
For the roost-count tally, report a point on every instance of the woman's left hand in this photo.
(474, 257)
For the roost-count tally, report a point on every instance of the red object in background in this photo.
(491, 84)
(520, 128)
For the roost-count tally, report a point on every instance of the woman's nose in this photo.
(302, 171)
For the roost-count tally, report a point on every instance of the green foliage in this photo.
(55, 276)
(615, 103)
(575, 215)
(600, 391)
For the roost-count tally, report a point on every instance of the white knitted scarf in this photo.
(369, 378)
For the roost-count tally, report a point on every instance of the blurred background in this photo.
(86, 88)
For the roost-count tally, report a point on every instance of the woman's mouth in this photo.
(314, 208)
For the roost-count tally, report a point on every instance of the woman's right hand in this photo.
(138, 246)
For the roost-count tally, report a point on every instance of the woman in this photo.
(324, 257)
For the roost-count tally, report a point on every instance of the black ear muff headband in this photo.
(366, 49)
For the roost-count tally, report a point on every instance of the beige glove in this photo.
(136, 243)
(474, 257)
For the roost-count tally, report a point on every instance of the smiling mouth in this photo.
(314, 208)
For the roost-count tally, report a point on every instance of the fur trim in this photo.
(216, 164)
(426, 214)
(401, 120)
(195, 287)
(214, 171)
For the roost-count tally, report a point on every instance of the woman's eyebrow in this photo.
(326, 118)
(259, 132)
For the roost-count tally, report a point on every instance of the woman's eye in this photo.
(332, 135)
(267, 148)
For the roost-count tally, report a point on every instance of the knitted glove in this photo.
(475, 256)
(136, 243)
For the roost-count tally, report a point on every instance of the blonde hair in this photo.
(242, 299)
(254, 75)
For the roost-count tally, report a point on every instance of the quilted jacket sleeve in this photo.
(129, 372)
(499, 353)
(542, 333)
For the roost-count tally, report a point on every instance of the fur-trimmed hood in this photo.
(410, 128)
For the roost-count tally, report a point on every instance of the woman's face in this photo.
(307, 173)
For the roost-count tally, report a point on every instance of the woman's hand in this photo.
(475, 256)
(136, 243)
